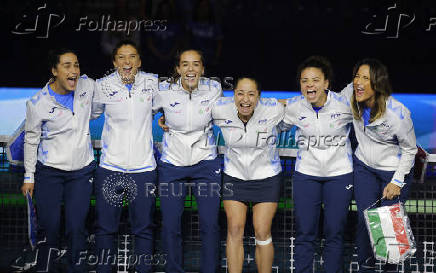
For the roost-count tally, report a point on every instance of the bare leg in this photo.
(236, 215)
(263, 213)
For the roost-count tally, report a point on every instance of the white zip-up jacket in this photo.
(388, 143)
(190, 137)
(250, 151)
(126, 140)
(54, 135)
(324, 149)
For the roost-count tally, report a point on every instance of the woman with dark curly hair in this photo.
(324, 168)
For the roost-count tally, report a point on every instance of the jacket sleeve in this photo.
(348, 91)
(217, 113)
(407, 142)
(152, 83)
(288, 117)
(97, 106)
(280, 114)
(218, 92)
(31, 141)
(157, 102)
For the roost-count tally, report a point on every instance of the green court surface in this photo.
(412, 206)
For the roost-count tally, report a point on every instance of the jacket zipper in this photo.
(245, 143)
(73, 125)
(189, 116)
(130, 126)
(318, 133)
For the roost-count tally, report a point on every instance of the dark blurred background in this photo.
(265, 39)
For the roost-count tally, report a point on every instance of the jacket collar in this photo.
(326, 104)
(179, 87)
(138, 78)
(45, 92)
(257, 109)
(379, 120)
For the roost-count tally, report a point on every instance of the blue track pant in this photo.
(205, 178)
(137, 189)
(309, 193)
(368, 188)
(74, 188)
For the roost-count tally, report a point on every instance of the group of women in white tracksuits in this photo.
(59, 159)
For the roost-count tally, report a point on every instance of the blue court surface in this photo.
(422, 107)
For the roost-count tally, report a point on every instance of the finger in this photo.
(385, 192)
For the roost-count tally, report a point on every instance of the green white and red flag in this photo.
(390, 233)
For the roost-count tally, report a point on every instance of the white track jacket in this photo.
(324, 149)
(127, 140)
(389, 143)
(54, 135)
(250, 151)
(188, 115)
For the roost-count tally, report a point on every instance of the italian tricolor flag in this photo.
(389, 230)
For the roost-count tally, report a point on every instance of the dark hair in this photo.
(318, 62)
(123, 43)
(175, 76)
(54, 57)
(258, 88)
(379, 80)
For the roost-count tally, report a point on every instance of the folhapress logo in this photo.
(39, 23)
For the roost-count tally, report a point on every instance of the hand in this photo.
(161, 123)
(27, 187)
(283, 101)
(391, 191)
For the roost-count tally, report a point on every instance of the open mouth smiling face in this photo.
(313, 85)
(67, 73)
(362, 84)
(190, 69)
(127, 62)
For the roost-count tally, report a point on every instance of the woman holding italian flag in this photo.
(386, 150)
